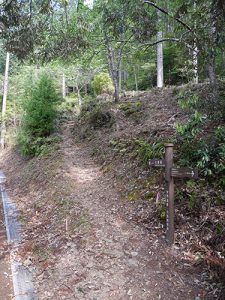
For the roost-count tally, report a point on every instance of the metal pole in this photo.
(170, 193)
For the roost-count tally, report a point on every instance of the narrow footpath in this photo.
(114, 259)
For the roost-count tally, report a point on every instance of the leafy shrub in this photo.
(102, 83)
(201, 139)
(39, 116)
(204, 101)
(206, 152)
(68, 104)
(39, 146)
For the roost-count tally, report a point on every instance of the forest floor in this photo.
(78, 230)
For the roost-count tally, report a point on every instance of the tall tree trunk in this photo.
(195, 54)
(160, 79)
(117, 92)
(5, 92)
(114, 72)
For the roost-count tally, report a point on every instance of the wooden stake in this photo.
(170, 193)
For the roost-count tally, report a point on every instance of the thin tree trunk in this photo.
(78, 5)
(79, 96)
(195, 63)
(135, 78)
(117, 93)
(113, 71)
(119, 67)
(5, 92)
(211, 70)
(160, 79)
(120, 80)
(195, 55)
(63, 86)
(14, 115)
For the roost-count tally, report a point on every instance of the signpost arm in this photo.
(170, 196)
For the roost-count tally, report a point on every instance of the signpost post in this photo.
(171, 172)
(170, 193)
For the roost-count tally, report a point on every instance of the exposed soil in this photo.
(6, 291)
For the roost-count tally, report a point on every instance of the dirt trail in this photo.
(112, 259)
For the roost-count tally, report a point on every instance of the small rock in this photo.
(132, 263)
(129, 293)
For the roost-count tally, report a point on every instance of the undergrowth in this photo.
(39, 118)
(201, 141)
(95, 114)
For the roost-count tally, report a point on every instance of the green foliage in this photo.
(68, 105)
(102, 83)
(191, 194)
(39, 117)
(206, 152)
(174, 61)
(146, 151)
(38, 146)
(162, 211)
(204, 100)
(202, 142)
(141, 149)
(192, 127)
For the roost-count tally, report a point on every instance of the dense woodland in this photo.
(89, 62)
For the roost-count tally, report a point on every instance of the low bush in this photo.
(38, 122)
(200, 147)
(204, 100)
(102, 83)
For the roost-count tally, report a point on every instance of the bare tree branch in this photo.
(176, 40)
(168, 14)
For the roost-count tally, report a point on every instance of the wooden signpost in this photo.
(171, 172)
